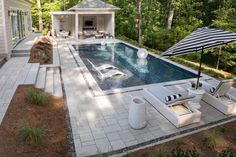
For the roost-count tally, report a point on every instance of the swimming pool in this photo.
(138, 71)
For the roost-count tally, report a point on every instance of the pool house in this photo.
(85, 19)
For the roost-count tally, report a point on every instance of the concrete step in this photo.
(20, 51)
(32, 74)
(41, 79)
(50, 81)
(21, 54)
(57, 83)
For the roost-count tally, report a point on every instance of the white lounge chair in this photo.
(110, 74)
(102, 67)
(220, 97)
(177, 111)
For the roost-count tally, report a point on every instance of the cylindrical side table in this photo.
(137, 113)
(198, 93)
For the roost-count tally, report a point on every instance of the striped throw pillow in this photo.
(172, 97)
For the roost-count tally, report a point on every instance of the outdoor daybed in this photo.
(219, 96)
(177, 111)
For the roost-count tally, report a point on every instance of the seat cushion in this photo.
(180, 110)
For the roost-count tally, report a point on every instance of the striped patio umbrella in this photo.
(200, 40)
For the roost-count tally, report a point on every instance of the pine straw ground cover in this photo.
(34, 130)
(216, 142)
(42, 51)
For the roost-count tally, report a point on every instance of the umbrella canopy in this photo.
(200, 40)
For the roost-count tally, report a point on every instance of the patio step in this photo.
(41, 79)
(20, 53)
(53, 82)
(32, 74)
(49, 81)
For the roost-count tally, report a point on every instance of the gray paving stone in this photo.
(41, 79)
(32, 75)
(113, 136)
(86, 137)
(86, 150)
(103, 145)
(49, 81)
(119, 144)
(99, 135)
(57, 83)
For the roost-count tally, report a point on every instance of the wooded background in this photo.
(159, 24)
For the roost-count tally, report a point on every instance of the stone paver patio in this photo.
(99, 123)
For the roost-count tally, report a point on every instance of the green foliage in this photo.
(157, 154)
(44, 31)
(228, 152)
(188, 15)
(37, 97)
(211, 138)
(178, 152)
(31, 133)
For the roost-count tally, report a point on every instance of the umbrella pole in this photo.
(199, 70)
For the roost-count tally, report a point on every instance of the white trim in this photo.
(62, 13)
(91, 9)
(81, 13)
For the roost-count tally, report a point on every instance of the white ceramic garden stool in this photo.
(198, 93)
(137, 113)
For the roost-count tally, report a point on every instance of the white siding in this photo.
(10, 5)
(2, 43)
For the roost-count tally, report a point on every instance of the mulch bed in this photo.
(50, 116)
(42, 51)
(227, 138)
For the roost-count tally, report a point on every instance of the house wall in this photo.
(109, 23)
(5, 25)
(64, 23)
(2, 29)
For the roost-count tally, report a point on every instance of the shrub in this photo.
(36, 97)
(178, 152)
(228, 152)
(212, 138)
(44, 31)
(157, 154)
(31, 133)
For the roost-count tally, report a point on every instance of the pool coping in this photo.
(97, 91)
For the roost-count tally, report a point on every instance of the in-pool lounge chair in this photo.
(102, 67)
(177, 110)
(109, 74)
(220, 97)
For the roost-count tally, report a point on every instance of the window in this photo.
(19, 24)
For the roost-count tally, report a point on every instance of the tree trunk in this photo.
(139, 20)
(171, 13)
(40, 15)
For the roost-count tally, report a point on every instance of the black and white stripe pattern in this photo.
(202, 38)
(172, 97)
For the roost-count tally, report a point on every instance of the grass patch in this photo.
(31, 133)
(37, 97)
(211, 138)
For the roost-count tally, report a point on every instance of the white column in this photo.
(76, 26)
(113, 24)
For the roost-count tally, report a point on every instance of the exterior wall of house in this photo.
(2, 30)
(110, 24)
(8, 7)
